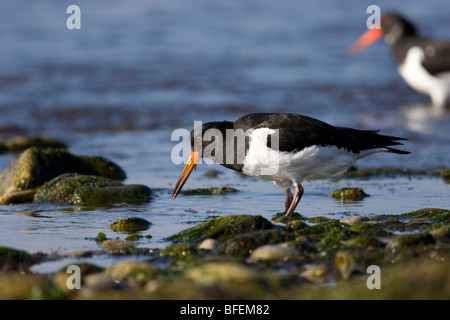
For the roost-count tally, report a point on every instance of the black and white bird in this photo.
(422, 62)
(285, 148)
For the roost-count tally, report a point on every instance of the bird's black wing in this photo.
(297, 132)
(437, 57)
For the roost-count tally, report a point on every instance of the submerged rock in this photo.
(33, 167)
(349, 194)
(130, 224)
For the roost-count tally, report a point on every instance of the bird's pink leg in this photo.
(296, 199)
(289, 198)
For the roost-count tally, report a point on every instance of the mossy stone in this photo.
(62, 188)
(409, 245)
(222, 228)
(130, 224)
(236, 278)
(242, 245)
(14, 257)
(88, 195)
(349, 194)
(34, 166)
(369, 229)
(133, 272)
(439, 215)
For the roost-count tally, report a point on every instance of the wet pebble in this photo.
(274, 253)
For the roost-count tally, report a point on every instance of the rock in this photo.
(209, 191)
(280, 217)
(18, 197)
(408, 245)
(208, 244)
(179, 251)
(222, 228)
(368, 228)
(13, 259)
(316, 273)
(440, 232)
(80, 189)
(344, 263)
(87, 195)
(117, 246)
(62, 188)
(237, 279)
(99, 282)
(130, 224)
(349, 194)
(131, 272)
(274, 253)
(438, 215)
(295, 225)
(242, 245)
(353, 219)
(33, 167)
(16, 286)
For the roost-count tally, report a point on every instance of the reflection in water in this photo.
(426, 119)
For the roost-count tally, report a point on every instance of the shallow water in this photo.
(138, 70)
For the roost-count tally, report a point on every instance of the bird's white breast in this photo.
(419, 79)
(310, 163)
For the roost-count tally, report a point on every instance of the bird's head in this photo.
(393, 27)
(207, 141)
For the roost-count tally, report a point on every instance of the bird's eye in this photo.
(199, 139)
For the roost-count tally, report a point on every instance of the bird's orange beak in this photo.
(366, 39)
(190, 165)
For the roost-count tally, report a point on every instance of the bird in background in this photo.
(423, 63)
(285, 148)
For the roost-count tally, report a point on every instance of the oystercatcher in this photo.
(423, 63)
(285, 148)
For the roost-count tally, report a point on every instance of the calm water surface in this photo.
(137, 70)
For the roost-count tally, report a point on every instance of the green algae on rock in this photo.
(88, 195)
(242, 245)
(62, 188)
(34, 166)
(81, 189)
(236, 278)
(349, 194)
(15, 258)
(133, 272)
(435, 214)
(222, 228)
(130, 224)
